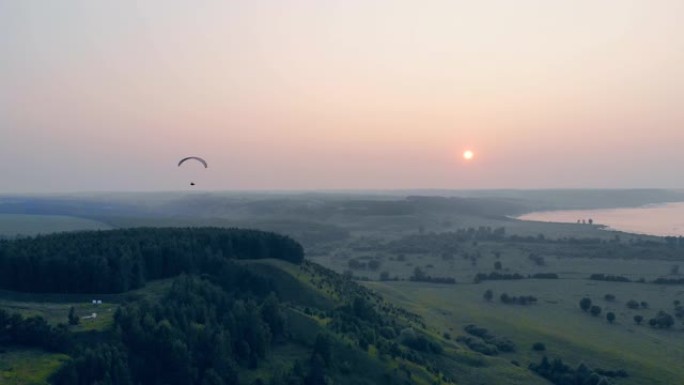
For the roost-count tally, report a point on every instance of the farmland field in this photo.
(20, 224)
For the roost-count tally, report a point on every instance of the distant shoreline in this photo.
(657, 219)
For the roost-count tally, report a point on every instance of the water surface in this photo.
(661, 219)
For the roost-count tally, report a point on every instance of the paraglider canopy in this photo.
(197, 158)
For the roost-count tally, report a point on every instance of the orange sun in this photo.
(468, 155)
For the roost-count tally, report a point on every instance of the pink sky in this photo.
(335, 94)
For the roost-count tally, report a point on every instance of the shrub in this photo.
(595, 310)
(538, 347)
(488, 295)
(610, 316)
(478, 331)
(503, 344)
(638, 318)
(374, 264)
(663, 320)
(585, 304)
(544, 276)
(478, 346)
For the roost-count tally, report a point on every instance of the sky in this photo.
(340, 94)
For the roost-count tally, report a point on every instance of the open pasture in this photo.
(483, 257)
(21, 366)
(648, 355)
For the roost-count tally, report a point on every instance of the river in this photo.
(659, 219)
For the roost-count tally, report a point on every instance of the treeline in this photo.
(518, 300)
(120, 260)
(620, 278)
(609, 278)
(484, 342)
(447, 242)
(453, 242)
(495, 276)
(33, 332)
(420, 276)
(669, 281)
(561, 374)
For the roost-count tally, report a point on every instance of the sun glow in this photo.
(468, 155)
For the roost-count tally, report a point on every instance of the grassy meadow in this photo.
(648, 355)
(21, 366)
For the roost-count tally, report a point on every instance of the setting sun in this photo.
(468, 155)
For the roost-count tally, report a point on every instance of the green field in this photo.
(649, 355)
(20, 224)
(21, 366)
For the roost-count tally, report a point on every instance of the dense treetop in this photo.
(119, 260)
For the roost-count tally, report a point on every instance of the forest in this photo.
(120, 260)
(219, 320)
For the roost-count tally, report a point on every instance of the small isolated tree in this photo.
(374, 264)
(538, 347)
(632, 304)
(595, 310)
(488, 295)
(74, 319)
(585, 304)
(610, 316)
(644, 304)
(638, 319)
(497, 265)
(664, 320)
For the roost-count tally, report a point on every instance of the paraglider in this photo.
(197, 158)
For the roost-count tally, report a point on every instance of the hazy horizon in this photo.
(340, 95)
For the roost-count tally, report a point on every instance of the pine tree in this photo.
(74, 319)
